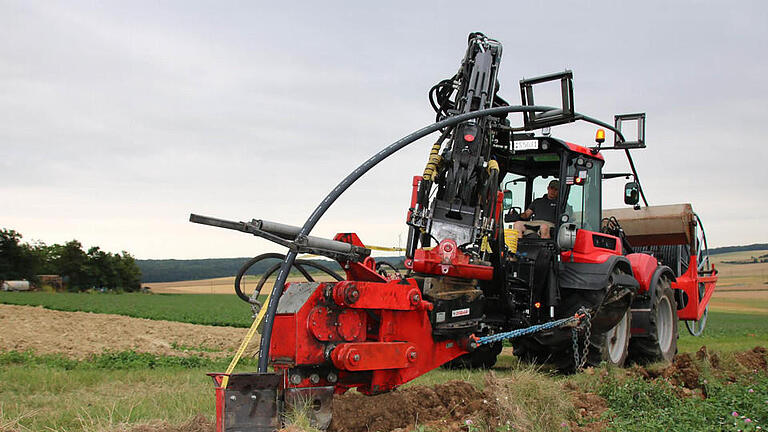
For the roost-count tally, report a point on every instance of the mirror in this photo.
(507, 202)
(631, 193)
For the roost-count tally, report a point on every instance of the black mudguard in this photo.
(589, 276)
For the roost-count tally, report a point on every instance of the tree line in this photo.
(79, 269)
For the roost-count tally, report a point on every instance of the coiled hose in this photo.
(298, 265)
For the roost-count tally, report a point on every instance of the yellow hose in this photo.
(433, 162)
(246, 341)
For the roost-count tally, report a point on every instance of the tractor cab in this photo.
(530, 170)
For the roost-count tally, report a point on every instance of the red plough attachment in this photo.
(328, 337)
(376, 335)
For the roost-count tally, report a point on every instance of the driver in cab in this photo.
(541, 213)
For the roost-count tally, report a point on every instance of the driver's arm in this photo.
(526, 215)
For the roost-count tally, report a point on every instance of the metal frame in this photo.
(565, 114)
(619, 120)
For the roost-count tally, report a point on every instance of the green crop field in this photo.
(218, 310)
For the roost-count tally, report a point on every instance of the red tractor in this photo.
(566, 281)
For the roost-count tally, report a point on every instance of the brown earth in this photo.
(446, 406)
(198, 424)
(80, 334)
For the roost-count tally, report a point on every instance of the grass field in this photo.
(105, 392)
(741, 276)
(120, 390)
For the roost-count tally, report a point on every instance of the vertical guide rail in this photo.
(290, 257)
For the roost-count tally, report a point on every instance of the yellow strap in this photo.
(485, 246)
(246, 341)
(384, 248)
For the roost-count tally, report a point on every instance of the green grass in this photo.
(727, 331)
(209, 309)
(641, 405)
(105, 391)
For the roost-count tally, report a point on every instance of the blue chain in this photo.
(526, 331)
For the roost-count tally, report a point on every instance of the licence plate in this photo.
(527, 145)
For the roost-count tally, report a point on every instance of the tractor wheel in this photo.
(612, 346)
(484, 357)
(661, 342)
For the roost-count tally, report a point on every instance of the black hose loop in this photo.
(299, 265)
(326, 203)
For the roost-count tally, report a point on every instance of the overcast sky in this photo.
(118, 119)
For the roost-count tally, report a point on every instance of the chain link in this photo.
(587, 335)
(575, 341)
(580, 358)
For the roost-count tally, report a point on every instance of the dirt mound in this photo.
(447, 406)
(198, 424)
(685, 371)
(755, 359)
(79, 334)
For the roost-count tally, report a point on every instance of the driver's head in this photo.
(553, 189)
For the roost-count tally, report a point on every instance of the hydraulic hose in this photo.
(299, 265)
(326, 203)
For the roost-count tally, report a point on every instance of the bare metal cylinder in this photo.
(289, 232)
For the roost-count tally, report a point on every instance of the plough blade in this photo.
(253, 402)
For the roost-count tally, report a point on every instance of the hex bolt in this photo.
(356, 357)
(296, 379)
(332, 377)
(412, 355)
(415, 298)
(314, 378)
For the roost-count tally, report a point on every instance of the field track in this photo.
(79, 334)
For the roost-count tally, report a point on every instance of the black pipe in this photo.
(277, 291)
(637, 179)
(299, 264)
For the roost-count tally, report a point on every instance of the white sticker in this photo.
(440, 317)
(459, 312)
(527, 145)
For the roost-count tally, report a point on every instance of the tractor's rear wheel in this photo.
(612, 346)
(660, 343)
(484, 357)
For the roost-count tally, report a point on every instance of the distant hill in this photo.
(171, 270)
(728, 249)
